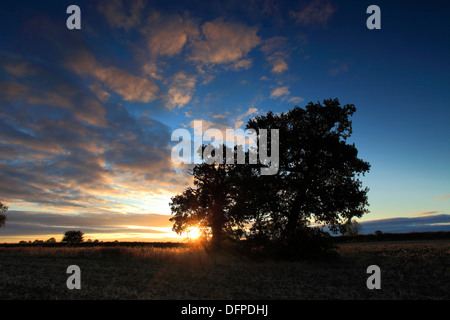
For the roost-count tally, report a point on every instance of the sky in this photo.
(86, 115)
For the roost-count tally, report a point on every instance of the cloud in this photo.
(67, 143)
(238, 120)
(19, 68)
(122, 82)
(251, 111)
(433, 222)
(442, 197)
(130, 87)
(26, 223)
(284, 94)
(167, 35)
(316, 12)
(277, 53)
(70, 51)
(224, 43)
(279, 65)
(117, 16)
(101, 94)
(280, 92)
(56, 157)
(150, 68)
(295, 100)
(181, 90)
(62, 96)
(61, 165)
(340, 68)
(423, 213)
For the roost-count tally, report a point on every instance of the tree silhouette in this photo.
(317, 180)
(3, 209)
(318, 177)
(214, 203)
(73, 237)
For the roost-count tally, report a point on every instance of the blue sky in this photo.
(86, 115)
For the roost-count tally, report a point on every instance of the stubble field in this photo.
(409, 270)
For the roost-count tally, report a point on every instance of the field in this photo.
(409, 270)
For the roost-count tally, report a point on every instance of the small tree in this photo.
(378, 233)
(3, 209)
(73, 237)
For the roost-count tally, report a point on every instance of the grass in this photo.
(409, 270)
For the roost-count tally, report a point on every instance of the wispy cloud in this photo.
(27, 224)
(277, 52)
(59, 96)
(423, 213)
(120, 81)
(118, 16)
(443, 197)
(280, 92)
(283, 93)
(181, 90)
(315, 12)
(296, 100)
(424, 223)
(339, 68)
(224, 43)
(67, 147)
(167, 35)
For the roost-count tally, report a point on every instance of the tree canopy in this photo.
(317, 180)
(73, 237)
(318, 177)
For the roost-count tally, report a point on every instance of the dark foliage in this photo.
(73, 237)
(409, 236)
(3, 209)
(317, 180)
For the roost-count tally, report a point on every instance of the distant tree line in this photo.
(378, 235)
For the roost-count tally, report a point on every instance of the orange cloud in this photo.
(20, 69)
(224, 43)
(279, 92)
(116, 15)
(277, 53)
(129, 86)
(423, 213)
(316, 12)
(167, 35)
(181, 90)
(63, 96)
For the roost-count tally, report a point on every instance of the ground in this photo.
(409, 270)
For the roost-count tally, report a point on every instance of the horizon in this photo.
(86, 115)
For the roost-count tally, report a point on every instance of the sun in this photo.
(193, 232)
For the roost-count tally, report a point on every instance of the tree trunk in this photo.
(217, 225)
(293, 217)
(217, 235)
